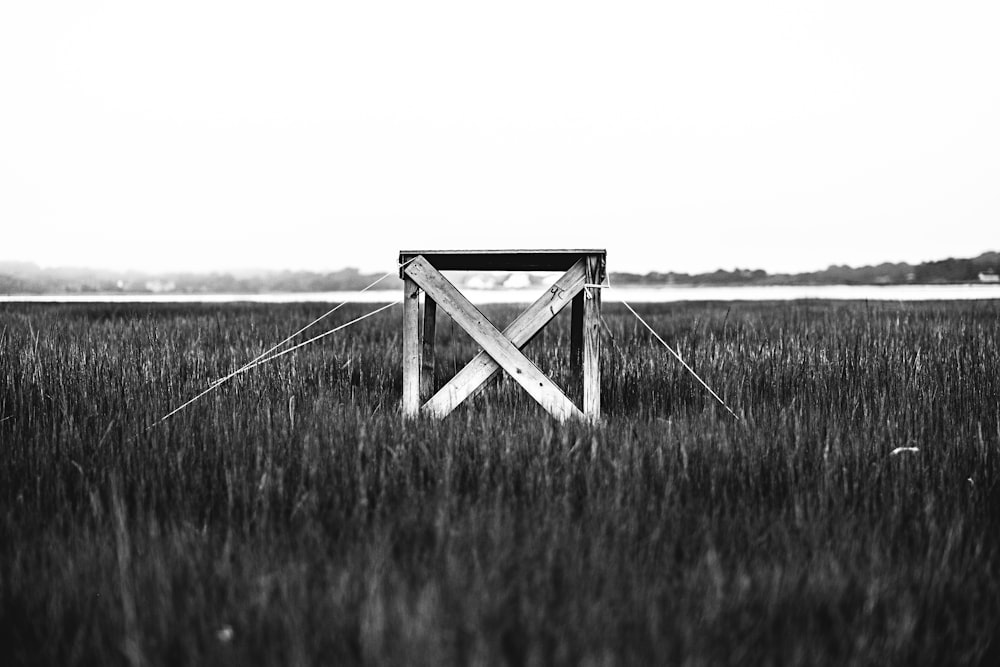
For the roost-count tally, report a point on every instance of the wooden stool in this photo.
(421, 272)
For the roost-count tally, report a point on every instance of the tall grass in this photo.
(292, 517)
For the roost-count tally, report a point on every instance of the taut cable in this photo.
(260, 361)
(318, 319)
(683, 363)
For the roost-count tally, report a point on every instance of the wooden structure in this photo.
(421, 272)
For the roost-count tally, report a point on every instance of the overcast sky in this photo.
(680, 136)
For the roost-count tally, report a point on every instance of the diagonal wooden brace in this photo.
(474, 377)
(504, 352)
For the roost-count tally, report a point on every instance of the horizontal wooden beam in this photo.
(501, 260)
(478, 372)
(503, 351)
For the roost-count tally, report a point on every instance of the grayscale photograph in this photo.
(518, 334)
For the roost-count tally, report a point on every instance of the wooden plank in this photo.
(504, 352)
(427, 348)
(411, 348)
(509, 251)
(576, 337)
(592, 340)
(500, 260)
(474, 377)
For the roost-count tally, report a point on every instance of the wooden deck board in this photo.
(501, 260)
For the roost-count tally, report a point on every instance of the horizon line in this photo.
(262, 270)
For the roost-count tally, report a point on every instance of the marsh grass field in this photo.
(293, 518)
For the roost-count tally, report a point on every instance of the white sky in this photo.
(680, 136)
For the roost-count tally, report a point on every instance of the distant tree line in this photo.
(25, 278)
(28, 278)
(942, 271)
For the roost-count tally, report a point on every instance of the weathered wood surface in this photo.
(576, 338)
(476, 375)
(592, 339)
(427, 347)
(502, 350)
(411, 348)
(500, 260)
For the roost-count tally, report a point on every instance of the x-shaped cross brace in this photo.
(500, 350)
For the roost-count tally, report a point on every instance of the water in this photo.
(644, 294)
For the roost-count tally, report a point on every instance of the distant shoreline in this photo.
(25, 278)
(626, 292)
(530, 289)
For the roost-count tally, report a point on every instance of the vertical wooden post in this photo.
(592, 340)
(427, 348)
(411, 348)
(576, 338)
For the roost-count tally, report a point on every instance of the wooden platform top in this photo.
(501, 260)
